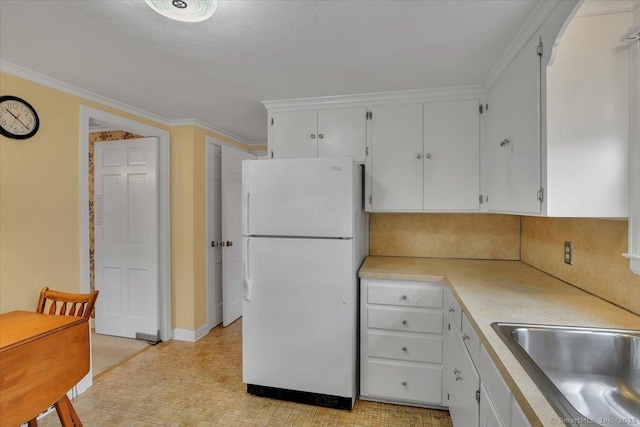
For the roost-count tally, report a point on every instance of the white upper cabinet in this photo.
(396, 158)
(452, 155)
(336, 132)
(556, 133)
(294, 135)
(512, 142)
(342, 132)
(425, 157)
(587, 144)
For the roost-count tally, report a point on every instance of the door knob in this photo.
(214, 244)
(229, 243)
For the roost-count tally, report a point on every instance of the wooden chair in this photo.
(65, 304)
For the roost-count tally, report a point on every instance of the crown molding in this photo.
(25, 73)
(207, 127)
(535, 21)
(375, 97)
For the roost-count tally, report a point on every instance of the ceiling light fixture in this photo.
(184, 10)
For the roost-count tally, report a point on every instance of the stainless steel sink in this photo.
(590, 376)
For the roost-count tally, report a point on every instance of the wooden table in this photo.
(41, 358)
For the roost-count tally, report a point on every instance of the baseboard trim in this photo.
(190, 335)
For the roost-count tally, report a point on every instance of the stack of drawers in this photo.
(402, 341)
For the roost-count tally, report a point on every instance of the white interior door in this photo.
(126, 237)
(214, 235)
(232, 232)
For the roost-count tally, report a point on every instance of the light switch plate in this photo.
(568, 253)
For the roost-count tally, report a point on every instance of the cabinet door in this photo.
(488, 414)
(514, 111)
(464, 408)
(294, 134)
(342, 132)
(452, 155)
(396, 157)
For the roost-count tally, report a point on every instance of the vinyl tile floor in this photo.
(200, 384)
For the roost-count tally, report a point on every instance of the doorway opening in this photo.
(98, 121)
(224, 246)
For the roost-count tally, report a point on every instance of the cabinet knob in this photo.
(404, 322)
(403, 297)
(456, 371)
(458, 378)
(214, 244)
(404, 383)
(428, 155)
(405, 349)
(465, 337)
(419, 156)
(504, 142)
(313, 136)
(451, 310)
(320, 136)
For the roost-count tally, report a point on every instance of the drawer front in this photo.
(496, 387)
(407, 295)
(471, 340)
(405, 382)
(406, 320)
(417, 348)
(452, 308)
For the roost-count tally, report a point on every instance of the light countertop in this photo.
(508, 291)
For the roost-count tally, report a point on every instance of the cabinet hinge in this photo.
(271, 121)
(478, 396)
(540, 48)
(369, 115)
(366, 151)
(541, 194)
(448, 398)
(481, 108)
(370, 199)
(449, 326)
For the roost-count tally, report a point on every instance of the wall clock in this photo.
(18, 119)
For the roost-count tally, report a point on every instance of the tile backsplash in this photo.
(473, 236)
(598, 266)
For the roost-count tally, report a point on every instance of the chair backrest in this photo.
(66, 304)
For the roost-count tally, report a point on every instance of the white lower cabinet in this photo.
(463, 391)
(488, 413)
(474, 390)
(401, 342)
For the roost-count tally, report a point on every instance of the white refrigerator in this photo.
(305, 237)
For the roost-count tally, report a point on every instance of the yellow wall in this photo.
(478, 236)
(598, 266)
(39, 205)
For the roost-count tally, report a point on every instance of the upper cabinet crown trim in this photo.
(369, 99)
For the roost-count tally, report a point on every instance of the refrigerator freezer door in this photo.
(299, 197)
(299, 325)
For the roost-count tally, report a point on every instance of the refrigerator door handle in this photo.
(246, 282)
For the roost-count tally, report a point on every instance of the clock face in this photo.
(18, 119)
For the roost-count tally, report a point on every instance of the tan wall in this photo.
(481, 236)
(39, 205)
(598, 266)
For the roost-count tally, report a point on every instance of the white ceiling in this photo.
(219, 70)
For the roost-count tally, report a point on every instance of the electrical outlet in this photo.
(568, 253)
